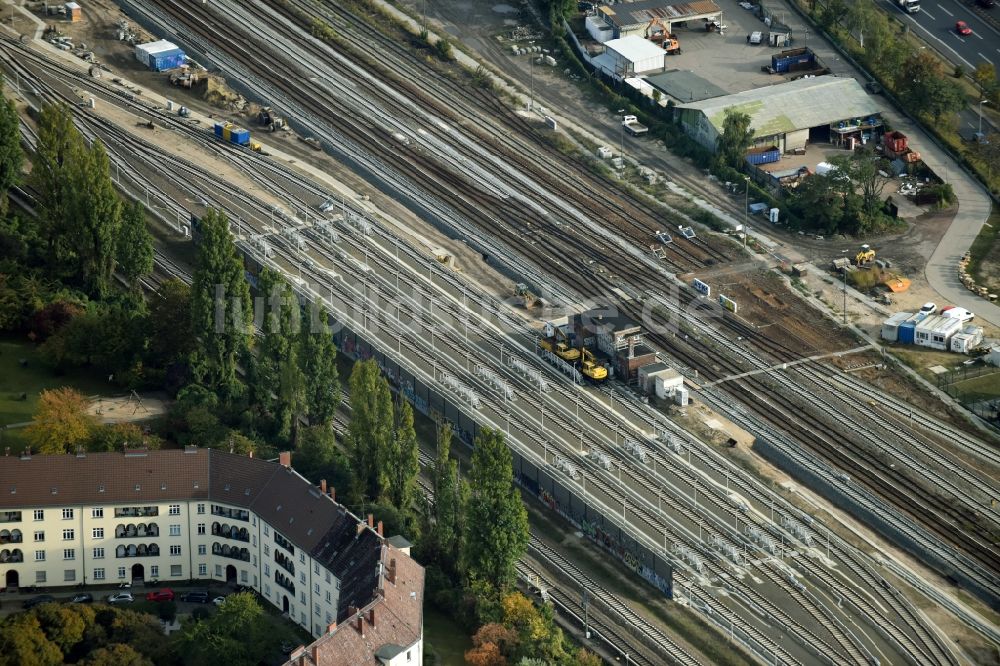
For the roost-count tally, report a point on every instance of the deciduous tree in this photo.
(11, 155)
(97, 213)
(220, 306)
(22, 641)
(370, 430)
(134, 250)
(865, 169)
(171, 339)
(116, 654)
(445, 533)
(735, 139)
(496, 520)
(61, 422)
(59, 147)
(486, 654)
(319, 365)
(402, 462)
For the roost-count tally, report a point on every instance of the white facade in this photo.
(101, 544)
(936, 332)
(599, 30)
(635, 55)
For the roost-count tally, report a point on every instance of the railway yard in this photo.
(774, 573)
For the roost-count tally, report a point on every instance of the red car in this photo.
(962, 28)
(166, 594)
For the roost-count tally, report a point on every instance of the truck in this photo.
(633, 126)
(909, 6)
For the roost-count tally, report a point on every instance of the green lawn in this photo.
(986, 387)
(445, 638)
(31, 380)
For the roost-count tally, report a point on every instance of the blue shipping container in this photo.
(166, 60)
(764, 156)
(239, 136)
(783, 62)
(905, 332)
(218, 130)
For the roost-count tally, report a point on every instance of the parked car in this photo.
(928, 308)
(218, 601)
(166, 594)
(962, 28)
(40, 599)
(960, 314)
(121, 598)
(195, 597)
(82, 598)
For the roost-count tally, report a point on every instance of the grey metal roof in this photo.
(644, 11)
(791, 106)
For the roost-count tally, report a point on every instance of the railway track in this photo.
(626, 499)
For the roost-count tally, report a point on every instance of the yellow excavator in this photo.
(865, 256)
(558, 345)
(590, 368)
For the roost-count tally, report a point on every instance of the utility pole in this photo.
(746, 210)
(845, 295)
(621, 151)
(531, 78)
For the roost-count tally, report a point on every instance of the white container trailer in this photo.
(936, 332)
(890, 327)
(970, 338)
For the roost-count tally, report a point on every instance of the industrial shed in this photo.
(789, 115)
(634, 18)
(630, 56)
(160, 55)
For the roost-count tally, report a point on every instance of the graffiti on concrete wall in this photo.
(611, 543)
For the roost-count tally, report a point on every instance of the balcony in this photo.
(232, 552)
(137, 511)
(14, 556)
(10, 516)
(10, 536)
(138, 550)
(284, 543)
(234, 514)
(137, 531)
(284, 581)
(285, 563)
(230, 532)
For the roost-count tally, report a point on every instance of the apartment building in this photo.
(178, 515)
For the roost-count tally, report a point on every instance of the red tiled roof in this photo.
(398, 621)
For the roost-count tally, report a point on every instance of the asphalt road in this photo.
(935, 23)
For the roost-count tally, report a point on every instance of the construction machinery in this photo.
(559, 345)
(657, 32)
(865, 256)
(590, 368)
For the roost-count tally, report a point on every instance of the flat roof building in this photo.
(629, 56)
(634, 18)
(788, 115)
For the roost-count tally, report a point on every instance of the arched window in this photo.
(120, 531)
(121, 551)
(154, 529)
(132, 550)
(154, 550)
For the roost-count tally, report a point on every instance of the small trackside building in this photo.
(634, 18)
(789, 115)
(629, 56)
(160, 55)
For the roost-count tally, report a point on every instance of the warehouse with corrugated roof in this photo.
(824, 109)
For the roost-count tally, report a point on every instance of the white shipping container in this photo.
(936, 332)
(890, 327)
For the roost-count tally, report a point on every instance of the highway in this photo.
(935, 23)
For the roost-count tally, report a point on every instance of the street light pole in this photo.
(531, 69)
(621, 151)
(746, 210)
(979, 137)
